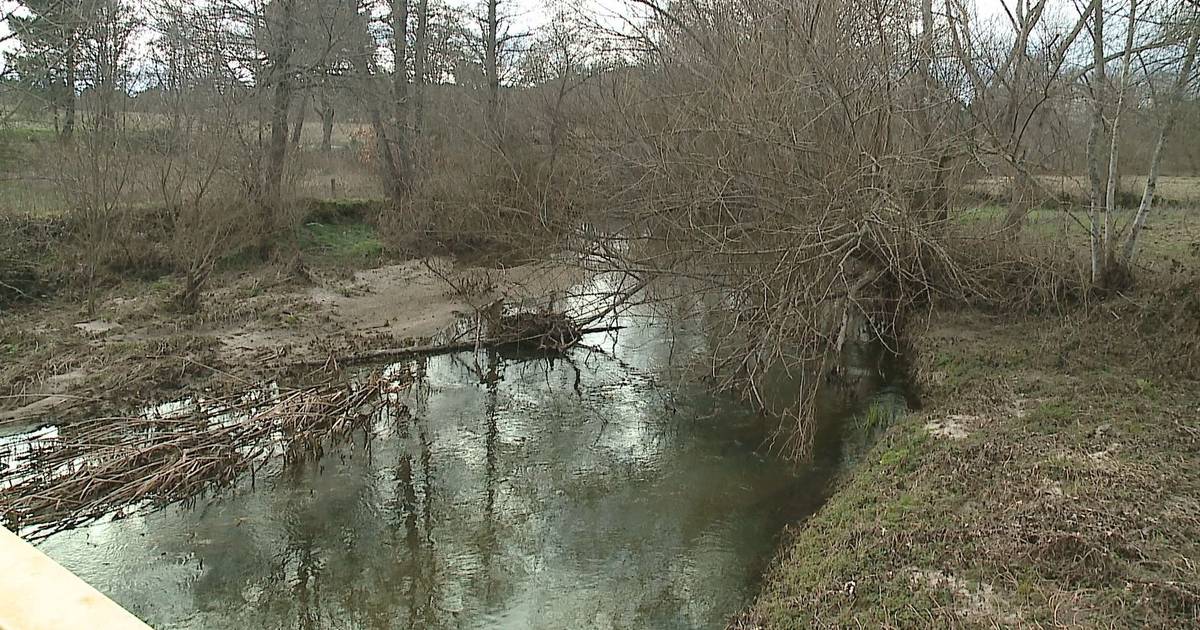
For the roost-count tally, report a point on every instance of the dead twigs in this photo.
(554, 333)
(59, 478)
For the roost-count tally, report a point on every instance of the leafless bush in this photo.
(97, 170)
(781, 154)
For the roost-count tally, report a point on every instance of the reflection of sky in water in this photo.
(509, 501)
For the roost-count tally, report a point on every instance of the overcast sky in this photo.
(529, 14)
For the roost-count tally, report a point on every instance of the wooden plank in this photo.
(36, 593)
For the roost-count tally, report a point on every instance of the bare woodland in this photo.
(799, 166)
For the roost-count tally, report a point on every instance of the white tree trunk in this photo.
(1110, 205)
(1095, 137)
(1164, 130)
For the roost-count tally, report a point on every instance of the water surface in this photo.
(520, 494)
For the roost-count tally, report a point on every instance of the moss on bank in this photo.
(1052, 479)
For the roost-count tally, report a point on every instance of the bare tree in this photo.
(1113, 184)
(1172, 105)
(421, 64)
(497, 50)
(51, 36)
(106, 44)
(378, 96)
(491, 64)
(1011, 78)
(280, 24)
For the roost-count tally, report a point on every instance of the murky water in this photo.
(521, 494)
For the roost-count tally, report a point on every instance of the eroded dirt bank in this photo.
(58, 360)
(1052, 479)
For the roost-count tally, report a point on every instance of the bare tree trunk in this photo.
(327, 112)
(1095, 137)
(1164, 130)
(1024, 191)
(399, 156)
(393, 177)
(420, 65)
(491, 67)
(71, 63)
(1110, 205)
(281, 80)
(932, 199)
(301, 114)
(364, 66)
(400, 52)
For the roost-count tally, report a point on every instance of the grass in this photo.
(37, 197)
(21, 189)
(350, 242)
(1066, 490)
(1071, 499)
(1171, 239)
(1172, 190)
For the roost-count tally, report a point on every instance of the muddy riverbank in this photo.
(60, 360)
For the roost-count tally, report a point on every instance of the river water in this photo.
(520, 494)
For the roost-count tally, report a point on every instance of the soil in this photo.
(59, 362)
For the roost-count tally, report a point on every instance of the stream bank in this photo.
(1051, 479)
(596, 489)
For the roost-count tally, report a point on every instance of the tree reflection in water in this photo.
(519, 494)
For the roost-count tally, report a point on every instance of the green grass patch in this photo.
(352, 242)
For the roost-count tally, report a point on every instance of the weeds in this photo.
(1066, 509)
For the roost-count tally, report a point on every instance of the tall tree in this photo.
(50, 34)
(279, 79)
(105, 53)
(399, 138)
(1098, 85)
(1173, 102)
(378, 96)
(491, 65)
(421, 64)
(1012, 76)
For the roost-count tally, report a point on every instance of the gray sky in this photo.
(529, 14)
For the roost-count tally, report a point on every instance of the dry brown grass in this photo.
(338, 175)
(1171, 190)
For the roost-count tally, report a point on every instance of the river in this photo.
(521, 493)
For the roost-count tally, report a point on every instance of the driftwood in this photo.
(533, 341)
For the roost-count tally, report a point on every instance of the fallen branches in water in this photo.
(60, 478)
(548, 340)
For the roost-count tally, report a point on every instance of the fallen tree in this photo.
(550, 333)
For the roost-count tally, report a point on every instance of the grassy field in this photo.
(1169, 242)
(1171, 190)
(33, 181)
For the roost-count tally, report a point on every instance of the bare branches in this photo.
(1182, 80)
(70, 475)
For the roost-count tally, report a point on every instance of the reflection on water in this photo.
(519, 495)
